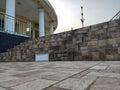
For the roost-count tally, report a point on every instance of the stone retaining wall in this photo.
(97, 42)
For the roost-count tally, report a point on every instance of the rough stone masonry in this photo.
(96, 42)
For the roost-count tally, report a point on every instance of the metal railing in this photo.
(117, 16)
(21, 26)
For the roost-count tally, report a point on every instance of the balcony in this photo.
(22, 27)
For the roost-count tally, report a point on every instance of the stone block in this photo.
(112, 57)
(112, 29)
(112, 51)
(101, 31)
(101, 43)
(35, 46)
(84, 48)
(94, 28)
(94, 37)
(118, 50)
(112, 42)
(102, 36)
(106, 26)
(102, 54)
(18, 57)
(95, 56)
(86, 57)
(95, 42)
(115, 34)
(84, 52)
(118, 40)
(113, 23)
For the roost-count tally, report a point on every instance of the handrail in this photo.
(117, 16)
(14, 17)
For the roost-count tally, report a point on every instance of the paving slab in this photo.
(11, 83)
(106, 84)
(7, 78)
(81, 74)
(103, 74)
(78, 75)
(99, 67)
(34, 85)
(27, 74)
(112, 70)
(57, 76)
(76, 84)
(3, 88)
(55, 88)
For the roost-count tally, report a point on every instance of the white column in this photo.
(33, 33)
(41, 23)
(51, 28)
(10, 14)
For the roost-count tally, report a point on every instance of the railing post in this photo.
(30, 28)
(1, 22)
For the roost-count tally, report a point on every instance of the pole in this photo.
(82, 19)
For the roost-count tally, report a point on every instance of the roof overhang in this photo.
(49, 10)
(29, 8)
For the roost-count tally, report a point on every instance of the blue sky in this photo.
(95, 11)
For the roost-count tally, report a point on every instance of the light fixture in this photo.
(28, 29)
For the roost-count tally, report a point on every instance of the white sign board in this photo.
(41, 57)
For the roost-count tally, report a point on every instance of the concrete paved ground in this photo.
(82, 75)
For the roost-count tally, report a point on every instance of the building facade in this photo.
(33, 18)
